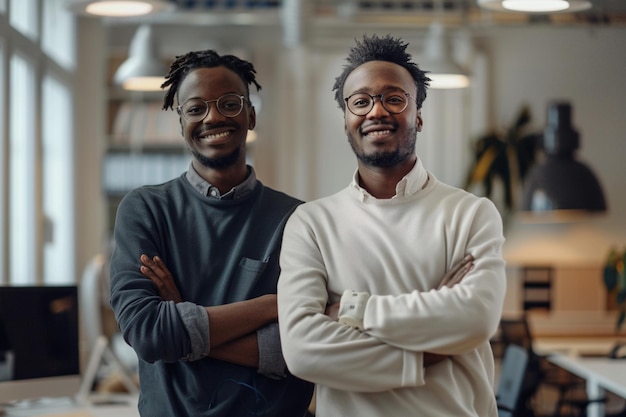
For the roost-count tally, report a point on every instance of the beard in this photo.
(385, 159)
(217, 163)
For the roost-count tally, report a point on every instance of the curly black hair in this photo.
(388, 49)
(184, 64)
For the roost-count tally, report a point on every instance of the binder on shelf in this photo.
(145, 123)
(123, 172)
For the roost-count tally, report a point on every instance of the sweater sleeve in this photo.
(271, 361)
(451, 320)
(196, 322)
(152, 326)
(319, 349)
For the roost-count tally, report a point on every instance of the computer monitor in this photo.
(39, 342)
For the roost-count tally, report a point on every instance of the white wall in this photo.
(90, 116)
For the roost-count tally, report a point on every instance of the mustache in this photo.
(374, 123)
(209, 126)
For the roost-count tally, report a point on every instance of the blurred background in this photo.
(74, 140)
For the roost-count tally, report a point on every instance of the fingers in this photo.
(465, 262)
(332, 311)
(459, 275)
(457, 272)
(153, 267)
(155, 270)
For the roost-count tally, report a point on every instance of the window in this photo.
(59, 29)
(57, 155)
(37, 242)
(23, 15)
(3, 141)
(22, 163)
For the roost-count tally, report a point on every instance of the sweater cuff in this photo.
(271, 361)
(352, 308)
(196, 321)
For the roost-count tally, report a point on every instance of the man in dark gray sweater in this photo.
(195, 263)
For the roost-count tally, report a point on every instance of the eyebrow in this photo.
(384, 90)
(202, 98)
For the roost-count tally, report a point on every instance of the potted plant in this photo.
(615, 282)
(504, 156)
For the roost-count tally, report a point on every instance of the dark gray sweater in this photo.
(219, 251)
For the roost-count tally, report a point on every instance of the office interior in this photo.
(513, 61)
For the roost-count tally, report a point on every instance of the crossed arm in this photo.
(450, 279)
(233, 326)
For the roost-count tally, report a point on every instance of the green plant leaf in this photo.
(610, 277)
(523, 118)
(506, 157)
(620, 320)
(613, 257)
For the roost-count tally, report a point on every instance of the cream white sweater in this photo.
(398, 250)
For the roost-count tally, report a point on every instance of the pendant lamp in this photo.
(560, 184)
(143, 70)
(442, 70)
(119, 8)
(536, 6)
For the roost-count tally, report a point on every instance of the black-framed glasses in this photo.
(195, 109)
(394, 102)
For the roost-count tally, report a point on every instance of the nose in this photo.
(211, 112)
(377, 107)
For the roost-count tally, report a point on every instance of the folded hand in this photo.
(156, 270)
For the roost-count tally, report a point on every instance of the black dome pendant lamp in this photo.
(560, 185)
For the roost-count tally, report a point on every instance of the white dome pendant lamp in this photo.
(119, 8)
(442, 70)
(536, 6)
(143, 70)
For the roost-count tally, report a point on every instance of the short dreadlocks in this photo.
(184, 64)
(387, 49)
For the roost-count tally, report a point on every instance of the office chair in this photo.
(510, 380)
(577, 407)
(540, 372)
(104, 347)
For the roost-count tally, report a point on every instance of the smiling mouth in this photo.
(377, 133)
(215, 137)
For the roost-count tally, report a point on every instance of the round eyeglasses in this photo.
(195, 109)
(394, 102)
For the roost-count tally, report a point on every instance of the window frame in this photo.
(43, 67)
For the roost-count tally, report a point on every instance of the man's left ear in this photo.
(419, 121)
(251, 118)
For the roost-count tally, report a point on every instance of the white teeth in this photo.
(219, 135)
(379, 133)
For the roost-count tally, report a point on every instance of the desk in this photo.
(574, 346)
(95, 406)
(600, 374)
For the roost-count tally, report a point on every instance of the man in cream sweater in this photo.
(363, 311)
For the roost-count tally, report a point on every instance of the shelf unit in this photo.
(537, 288)
(144, 143)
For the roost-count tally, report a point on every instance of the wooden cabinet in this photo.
(577, 300)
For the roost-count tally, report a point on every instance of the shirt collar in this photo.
(413, 182)
(209, 190)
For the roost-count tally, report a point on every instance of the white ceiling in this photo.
(355, 12)
(196, 23)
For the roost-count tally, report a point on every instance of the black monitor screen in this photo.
(38, 332)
